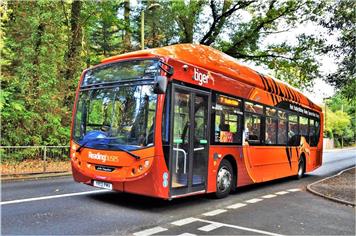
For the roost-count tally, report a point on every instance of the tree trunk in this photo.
(36, 61)
(74, 47)
(127, 35)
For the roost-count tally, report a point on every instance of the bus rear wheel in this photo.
(224, 179)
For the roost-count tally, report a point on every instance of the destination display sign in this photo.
(299, 109)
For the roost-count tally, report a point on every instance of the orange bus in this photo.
(187, 119)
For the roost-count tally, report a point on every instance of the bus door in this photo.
(190, 140)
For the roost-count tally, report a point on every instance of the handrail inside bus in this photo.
(185, 159)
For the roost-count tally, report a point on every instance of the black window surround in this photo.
(311, 138)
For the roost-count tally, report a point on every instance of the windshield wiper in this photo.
(82, 145)
(120, 149)
(89, 140)
(127, 151)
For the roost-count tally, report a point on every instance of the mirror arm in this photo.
(170, 70)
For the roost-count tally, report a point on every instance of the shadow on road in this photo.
(151, 204)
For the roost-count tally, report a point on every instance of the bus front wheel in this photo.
(224, 179)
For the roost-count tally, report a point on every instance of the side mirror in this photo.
(160, 84)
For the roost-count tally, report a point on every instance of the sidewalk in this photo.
(340, 149)
(339, 188)
(19, 177)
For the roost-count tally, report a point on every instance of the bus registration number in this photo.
(100, 184)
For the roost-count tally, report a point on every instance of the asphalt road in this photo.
(277, 207)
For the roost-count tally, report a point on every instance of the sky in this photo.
(321, 89)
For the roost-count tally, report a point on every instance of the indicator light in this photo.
(147, 163)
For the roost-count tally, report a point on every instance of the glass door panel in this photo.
(200, 149)
(190, 144)
(181, 138)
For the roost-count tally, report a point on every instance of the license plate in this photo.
(100, 184)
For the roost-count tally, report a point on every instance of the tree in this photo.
(338, 125)
(46, 44)
(32, 58)
(341, 119)
(186, 16)
(342, 21)
(73, 51)
(219, 15)
(220, 24)
(105, 29)
(127, 34)
(295, 64)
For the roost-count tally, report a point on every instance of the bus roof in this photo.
(213, 60)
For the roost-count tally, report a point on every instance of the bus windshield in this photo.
(115, 117)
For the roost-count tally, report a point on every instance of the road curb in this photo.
(309, 188)
(12, 178)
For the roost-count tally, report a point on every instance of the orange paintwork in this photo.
(226, 75)
(215, 61)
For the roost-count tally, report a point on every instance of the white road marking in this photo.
(52, 197)
(210, 227)
(254, 200)
(235, 206)
(184, 221)
(294, 190)
(215, 212)
(281, 193)
(151, 231)
(241, 228)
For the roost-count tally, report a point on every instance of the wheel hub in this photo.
(300, 170)
(224, 179)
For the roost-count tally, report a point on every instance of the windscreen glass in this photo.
(133, 70)
(119, 115)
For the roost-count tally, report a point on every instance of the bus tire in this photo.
(224, 179)
(301, 168)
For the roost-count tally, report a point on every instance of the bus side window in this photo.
(228, 120)
(271, 131)
(303, 126)
(293, 130)
(315, 132)
(311, 132)
(282, 128)
(253, 122)
(253, 128)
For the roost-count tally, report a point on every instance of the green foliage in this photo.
(31, 91)
(343, 23)
(340, 120)
(104, 31)
(46, 44)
